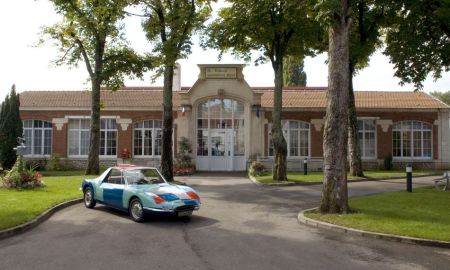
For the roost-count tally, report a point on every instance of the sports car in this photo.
(139, 191)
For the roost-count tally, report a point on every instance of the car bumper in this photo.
(184, 208)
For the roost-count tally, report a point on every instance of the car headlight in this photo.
(193, 195)
(156, 198)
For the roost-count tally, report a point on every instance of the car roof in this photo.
(124, 167)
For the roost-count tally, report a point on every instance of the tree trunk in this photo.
(166, 155)
(93, 166)
(334, 192)
(356, 168)
(279, 143)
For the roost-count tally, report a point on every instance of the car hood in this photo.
(162, 189)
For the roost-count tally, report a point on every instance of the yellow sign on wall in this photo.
(221, 73)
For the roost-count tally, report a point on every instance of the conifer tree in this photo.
(10, 128)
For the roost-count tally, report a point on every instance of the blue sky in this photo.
(30, 67)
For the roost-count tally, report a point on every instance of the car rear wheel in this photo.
(88, 198)
(136, 210)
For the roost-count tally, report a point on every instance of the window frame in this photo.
(79, 118)
(153, 139)
(43, 129)
(411, 131)
(286, 133)
(364, 131)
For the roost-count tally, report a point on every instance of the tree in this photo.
(364, 40)
(10, 128)
(442, 96)
(294, 74)
(169, 26)
(418, 40)
(91, 31)
(276, 29)
(336, 14)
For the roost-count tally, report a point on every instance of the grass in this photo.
(20, 206)
(317, 177)
(423, 213)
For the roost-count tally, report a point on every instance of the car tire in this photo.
(88, 198)
(136, 210)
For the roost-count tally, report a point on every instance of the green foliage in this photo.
(256, 169)
(10, 128)
(169, 26)
(21, 177)
(36, 164)
(268, 27)
(92, 31)
(294, 74)
(54, 163)
(442, 96)
(183, 163)
(418, 40)
(388, 162)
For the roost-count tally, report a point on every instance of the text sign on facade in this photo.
(221, 73)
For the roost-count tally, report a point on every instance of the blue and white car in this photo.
(139, 191)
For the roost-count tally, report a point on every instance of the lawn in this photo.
(423, 213)
(318, 176)
(20, 206)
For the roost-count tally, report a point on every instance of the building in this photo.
(228, 123)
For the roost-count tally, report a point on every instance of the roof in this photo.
(293, 97)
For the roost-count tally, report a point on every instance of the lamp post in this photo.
(409, 178)
(305, 166)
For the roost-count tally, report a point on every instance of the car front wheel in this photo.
(88, 198)
(136, 210)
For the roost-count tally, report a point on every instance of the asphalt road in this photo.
(240, 226)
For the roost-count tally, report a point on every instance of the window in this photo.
(38, 137)
(366, 137)
(108, 137)
(115, 177)
(296, 134)
(147, 138)
(220, 124)
(79, 136)
(411, 139)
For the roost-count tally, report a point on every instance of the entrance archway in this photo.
(220, 135)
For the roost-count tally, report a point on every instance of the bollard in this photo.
(305, 166)
(409, 178)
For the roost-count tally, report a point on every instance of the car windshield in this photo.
(143, 177)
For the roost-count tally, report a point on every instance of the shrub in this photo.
(388, 162)
(256, 168)
(55, 164)
(183, 162)
(21, 177)
(36, 165)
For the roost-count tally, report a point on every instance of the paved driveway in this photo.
(240, 226)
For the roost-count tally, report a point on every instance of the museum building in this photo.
(228, 124)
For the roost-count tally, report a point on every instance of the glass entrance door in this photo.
(220, 135)
(221, 150)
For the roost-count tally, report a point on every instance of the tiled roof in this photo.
(292, 98)
(82, 99)
(363, 99)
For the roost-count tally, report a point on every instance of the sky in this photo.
(31, 68)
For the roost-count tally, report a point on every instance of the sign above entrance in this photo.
(221, 73)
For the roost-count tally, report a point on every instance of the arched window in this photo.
(38, 137)
(147, 138)
(296, 134)
(221, 120)
(411, 139)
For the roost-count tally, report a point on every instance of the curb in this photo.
(286, 184)
(389, 237)
(36, 221)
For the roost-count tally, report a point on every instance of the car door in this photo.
(113, 186)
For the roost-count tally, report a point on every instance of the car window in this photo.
(115, 177)
(143, 177)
